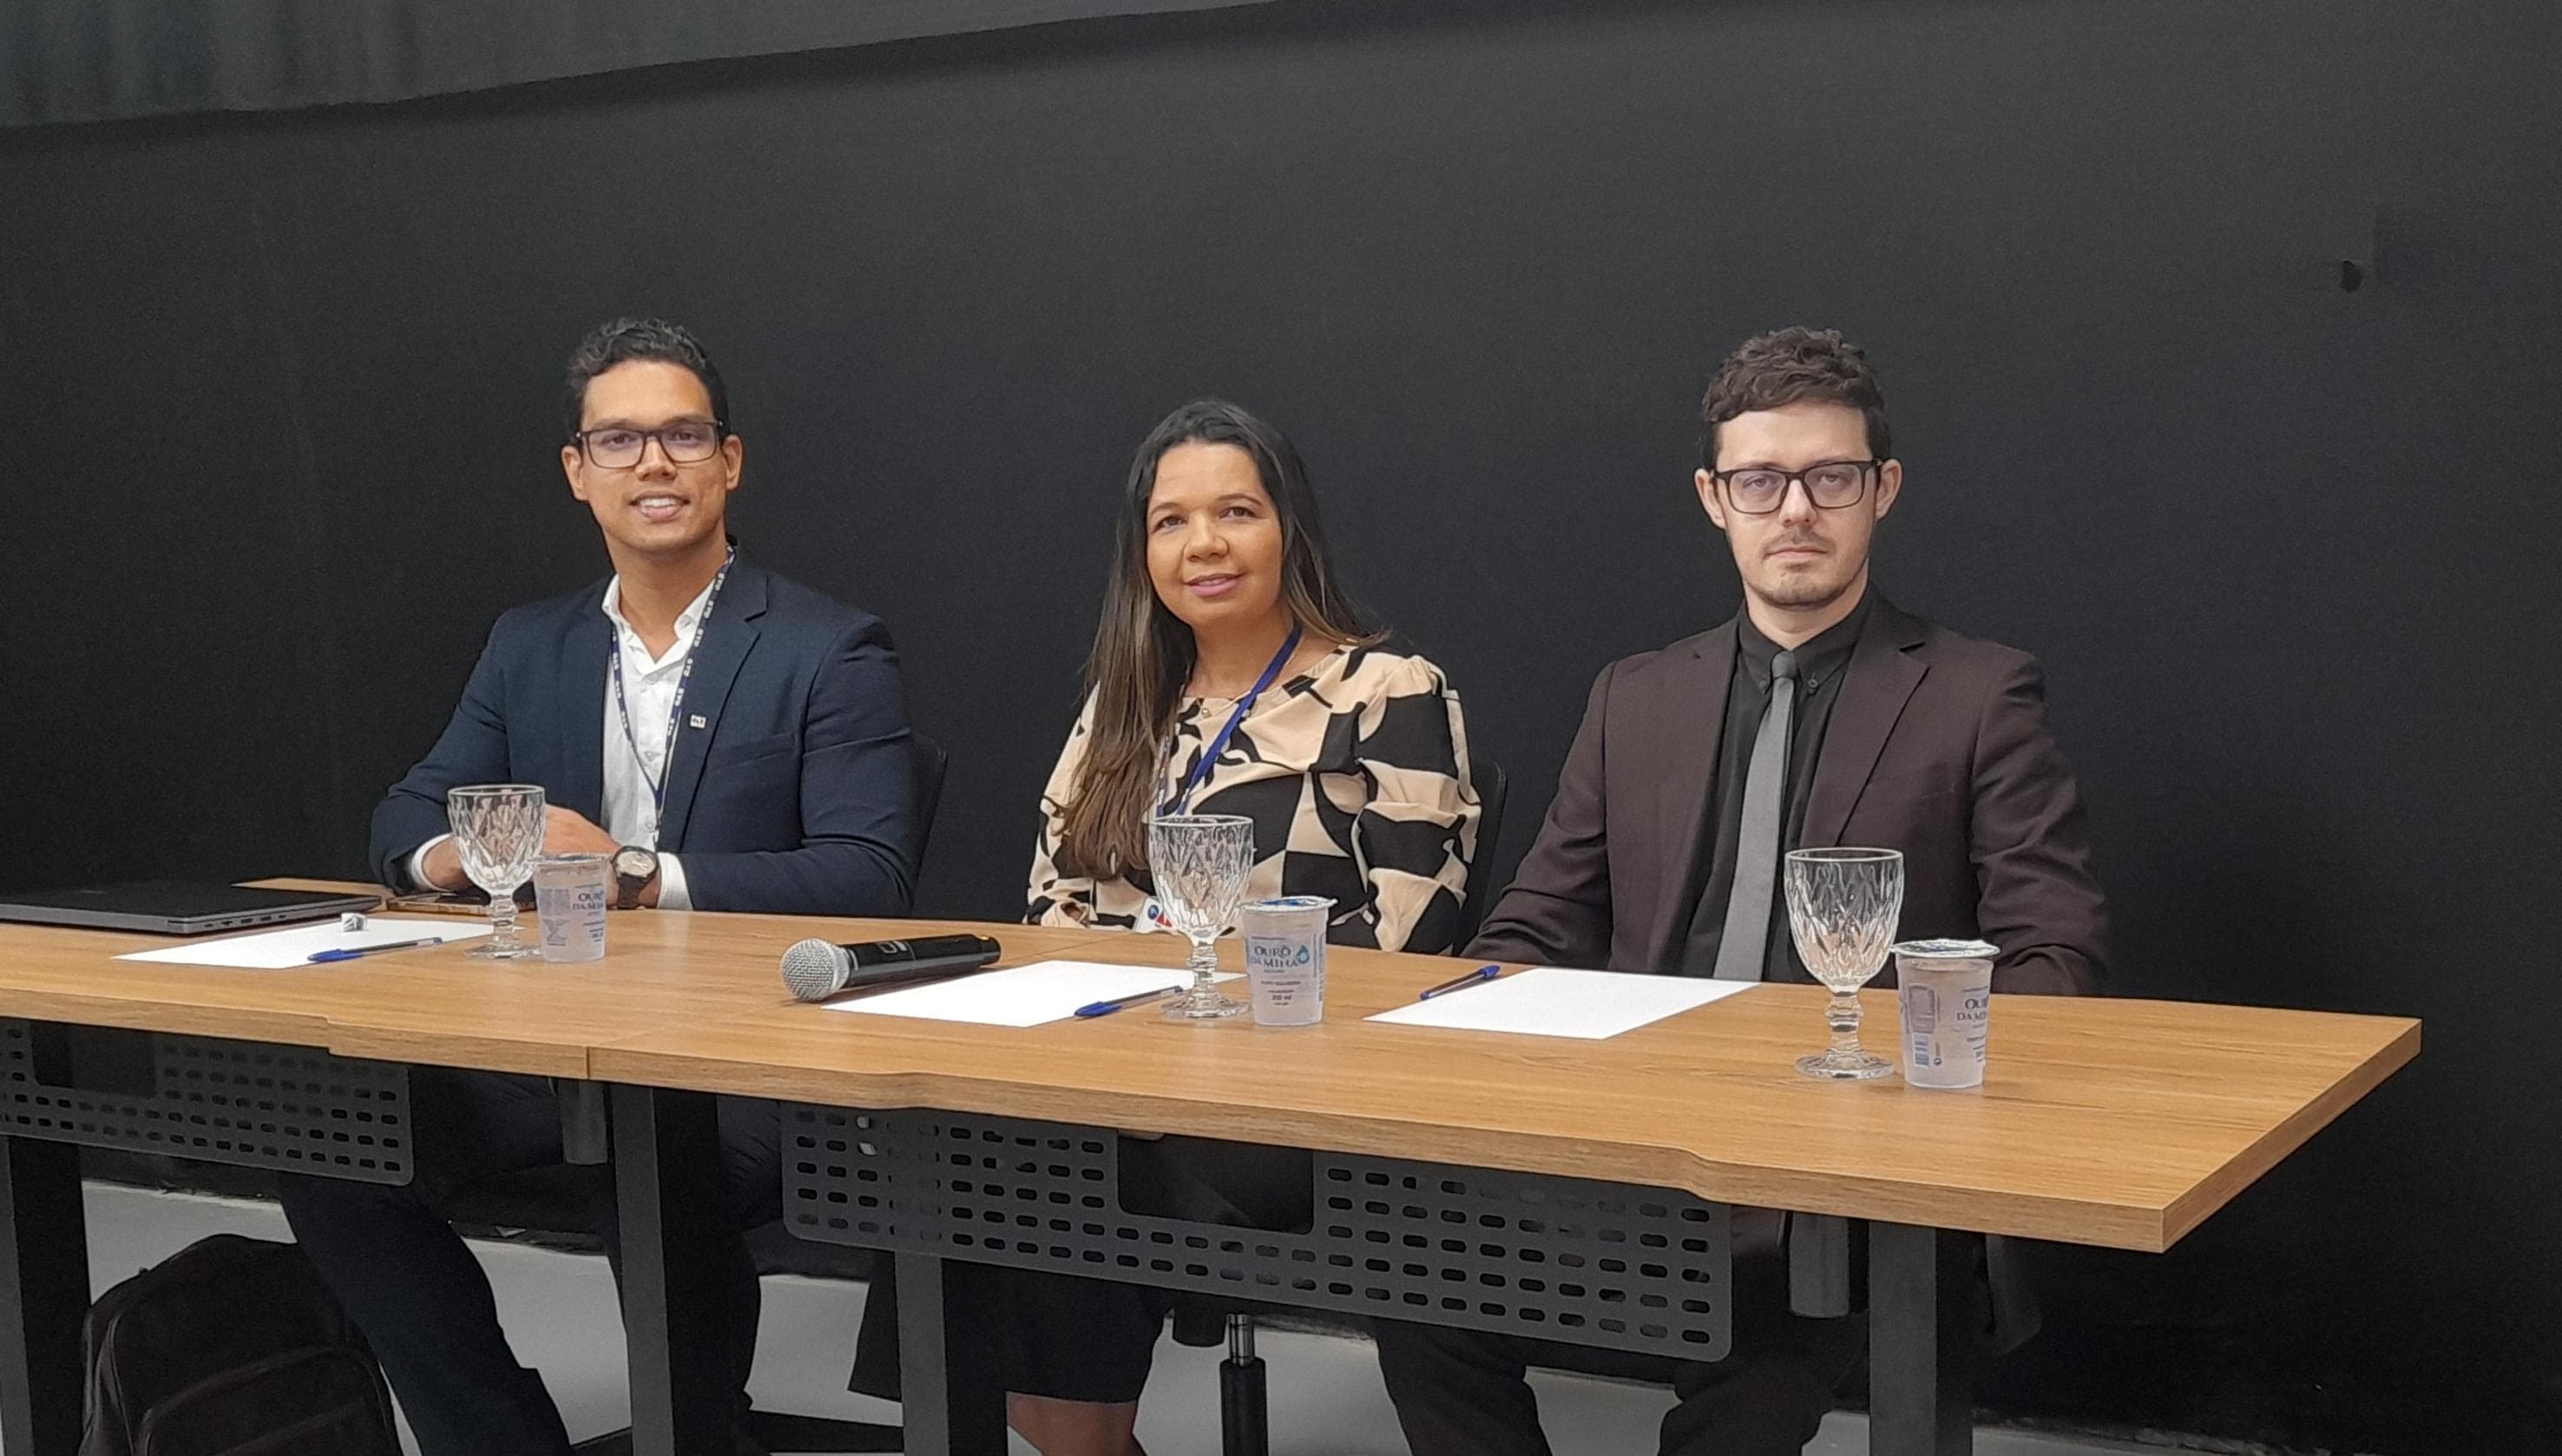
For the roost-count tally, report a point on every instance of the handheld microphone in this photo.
(815, 970)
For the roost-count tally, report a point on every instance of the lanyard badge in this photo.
(676, 708)
(1217, 746)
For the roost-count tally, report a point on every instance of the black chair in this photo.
(1244, 1421)
(559, 1202)
(1494, 788)
(931, 765)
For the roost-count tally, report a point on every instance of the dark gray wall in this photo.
(280, 394)
(74, 60)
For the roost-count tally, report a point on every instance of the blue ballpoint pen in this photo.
(1478, 977)
(324, 956)
(1107, 1007)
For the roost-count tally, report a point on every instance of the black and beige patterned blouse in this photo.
(1355, 775)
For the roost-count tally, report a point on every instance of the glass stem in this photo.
(502, 922)
(1203, 965)
(1843, 1013)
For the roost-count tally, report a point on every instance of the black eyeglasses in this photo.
(1757, 490)
(620, 448)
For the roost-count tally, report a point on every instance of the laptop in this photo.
(177, 907)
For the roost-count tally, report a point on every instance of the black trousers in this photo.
(408, 1281)
(1460, 1392)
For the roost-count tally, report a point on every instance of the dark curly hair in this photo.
(627, 339)
(1788, 366)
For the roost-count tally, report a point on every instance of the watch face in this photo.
(635, 863)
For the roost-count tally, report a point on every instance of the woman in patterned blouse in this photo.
(1353, 766)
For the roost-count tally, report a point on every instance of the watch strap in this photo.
(627, 888)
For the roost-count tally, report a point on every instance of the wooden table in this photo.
(2114, 1123)
(426, 1006)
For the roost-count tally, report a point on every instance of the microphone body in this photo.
(815, 970)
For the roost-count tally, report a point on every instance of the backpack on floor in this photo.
(232, 1346)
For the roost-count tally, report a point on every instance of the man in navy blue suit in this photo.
(733, 739)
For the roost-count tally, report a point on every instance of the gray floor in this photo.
(1324, 1392)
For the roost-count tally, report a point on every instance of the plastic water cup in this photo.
(570, 899)
(1285, 958)
(1945, 993)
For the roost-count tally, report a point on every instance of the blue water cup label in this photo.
(571, 896)
(1285, 958)
(1944, 993)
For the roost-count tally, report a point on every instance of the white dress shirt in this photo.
(635, 760)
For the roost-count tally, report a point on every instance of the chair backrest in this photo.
(1491, 790)
(926, 784)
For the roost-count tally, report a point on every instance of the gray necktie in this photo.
(1746, 941)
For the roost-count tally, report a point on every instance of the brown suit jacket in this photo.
(1937, 747)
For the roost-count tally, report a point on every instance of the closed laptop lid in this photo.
(176, 907)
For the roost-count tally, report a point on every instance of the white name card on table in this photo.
(1022, 995)
(277, 950)
(1549, 1002)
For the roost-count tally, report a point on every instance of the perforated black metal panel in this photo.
(238, 1101)
(1557, 1258)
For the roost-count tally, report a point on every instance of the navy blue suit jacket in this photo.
(797, 798)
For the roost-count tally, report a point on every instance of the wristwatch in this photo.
(633, 868)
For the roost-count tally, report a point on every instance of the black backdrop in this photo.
(65, 61)
(278, 400)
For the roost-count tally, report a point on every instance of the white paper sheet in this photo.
(275, 950)
(1023, 995)
(1548, 1002)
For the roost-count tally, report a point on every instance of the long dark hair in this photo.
(1143, 653)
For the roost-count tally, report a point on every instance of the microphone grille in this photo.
(815, 970)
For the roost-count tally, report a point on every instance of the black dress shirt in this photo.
(1822, 662)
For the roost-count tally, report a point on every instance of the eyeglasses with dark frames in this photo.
(1832, 484)
(620, 448)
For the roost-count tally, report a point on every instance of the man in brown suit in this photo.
(1820, 715)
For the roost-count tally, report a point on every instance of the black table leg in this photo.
(1921, 1342)
(1244, 1408)
(1818, 1266)
(949, 1400)
(586, 1129)
(667, 1184)
(44, 1297)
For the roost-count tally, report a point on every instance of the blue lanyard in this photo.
(614, 659)
(1218, 745)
